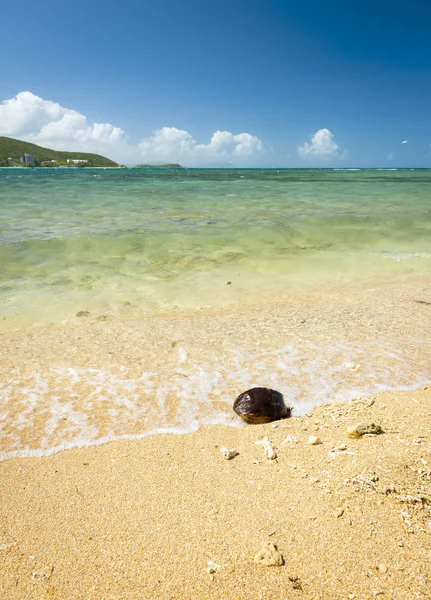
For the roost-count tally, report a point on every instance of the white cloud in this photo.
(172, 145)
(167, 143)
(31, 118)
(405, 142)
(322, 146)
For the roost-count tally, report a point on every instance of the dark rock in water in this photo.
(261, 405)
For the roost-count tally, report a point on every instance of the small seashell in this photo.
(269, 556)
(228, 454)
(313, 440)
(269, 449)
(212, 567)
(340, 449)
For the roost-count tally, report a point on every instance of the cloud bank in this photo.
(172, 144)
(31, 118)
(322, 145)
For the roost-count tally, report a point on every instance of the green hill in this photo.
(11, 151)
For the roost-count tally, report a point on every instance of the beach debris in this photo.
(269, 556)
(83, 313)
(290, 439)
(339, 513)
(338, 449)
(182, 356)
(228, 454)
(313, 440)
(352, 367)
(419, 499)
(43, 573)
(212, 567)
(296, 582)
(357, 431)
(269, 449)
(261, 405)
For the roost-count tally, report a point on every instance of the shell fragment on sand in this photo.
(290, 439)
(313, 440)
(228, 454)
(212, 567)
(340, 449)
(269, 556)
(268, 447)
(357, 431)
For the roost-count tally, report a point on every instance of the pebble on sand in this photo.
(269, 556)
(228, 454)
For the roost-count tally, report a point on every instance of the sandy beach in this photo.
(168, 517)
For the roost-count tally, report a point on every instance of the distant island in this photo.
(162, 166)
(15, 153)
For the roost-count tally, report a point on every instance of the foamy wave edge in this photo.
(300, 409)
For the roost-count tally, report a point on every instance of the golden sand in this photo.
(148, 518)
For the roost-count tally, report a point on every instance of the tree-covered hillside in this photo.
(11, 151)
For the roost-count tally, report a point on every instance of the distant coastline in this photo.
(17, 154)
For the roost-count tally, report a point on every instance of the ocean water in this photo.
(114, 240)
(120, 244)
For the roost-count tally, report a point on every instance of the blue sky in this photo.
(160, 80)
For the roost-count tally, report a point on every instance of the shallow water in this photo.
(121, 240)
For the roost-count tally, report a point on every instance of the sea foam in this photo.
(43, 413)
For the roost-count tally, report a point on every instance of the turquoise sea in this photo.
(344, 254)
(118, 240)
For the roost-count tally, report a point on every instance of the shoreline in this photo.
(96, 378)
(150, 518)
